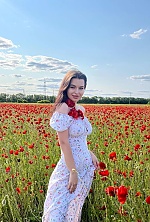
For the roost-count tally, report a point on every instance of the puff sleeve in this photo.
(60, 121)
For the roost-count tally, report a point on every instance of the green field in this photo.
(30, 150)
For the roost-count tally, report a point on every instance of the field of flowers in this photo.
(30, 150)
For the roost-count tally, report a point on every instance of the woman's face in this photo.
(76, 89)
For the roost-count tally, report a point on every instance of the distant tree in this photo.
(3, 97)
(19, 97)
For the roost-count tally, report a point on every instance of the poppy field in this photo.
(29, 151)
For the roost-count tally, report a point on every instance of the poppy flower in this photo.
(104, 173)
(18, 190)
(11, 151)
(122, 193)
(138, 194)
(111, 191)
(113, 156)
(7, 170)
(102, 165)
(147, 200)
(53, 165)
(127, 158)
(137, 147)
(31, 146)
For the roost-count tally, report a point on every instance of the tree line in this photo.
(21, 98)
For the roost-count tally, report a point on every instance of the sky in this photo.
(108, 40)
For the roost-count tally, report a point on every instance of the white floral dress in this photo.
(61, 205)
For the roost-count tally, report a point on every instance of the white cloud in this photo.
(17, 75)
(50, 86)
(124, 35)
(10, 61)
(15, 89)
(47, 79)
(136, 34)
(143, 91)
(141, 77)
(94, 66)
(3, 86)
(44, 63)
(20, 83)
(6, 43)
(93, 90)
(126, 92)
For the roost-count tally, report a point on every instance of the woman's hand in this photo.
(73, 180)
(95, 160)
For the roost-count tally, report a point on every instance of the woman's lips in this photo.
(75, 97)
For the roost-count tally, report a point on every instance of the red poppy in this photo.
(113, 156)
(21, 149)
(18, 190)
(102, 165)
(30, 161)
(122, 193)
(138, 194)
(11, 151)
(111, 191)
(137, 147)
(7, 170)
(29, 183)
(91, 191)
(147, 200)
(53, 165)
(127, 158)
(104, 173)
(16, 152)
(31, 146)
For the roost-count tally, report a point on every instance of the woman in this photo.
(71, 180)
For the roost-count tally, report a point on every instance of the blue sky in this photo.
(107, 40)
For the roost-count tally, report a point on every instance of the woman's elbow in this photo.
(64, 143)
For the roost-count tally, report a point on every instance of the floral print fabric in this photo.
(60, 205)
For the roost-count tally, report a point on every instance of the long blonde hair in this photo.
(65, 84)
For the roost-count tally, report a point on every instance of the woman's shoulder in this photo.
(62, 108)
(81, 108)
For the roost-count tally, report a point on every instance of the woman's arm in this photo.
(69, 160)
(66, 149)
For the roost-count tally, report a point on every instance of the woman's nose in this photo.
(76, 90)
